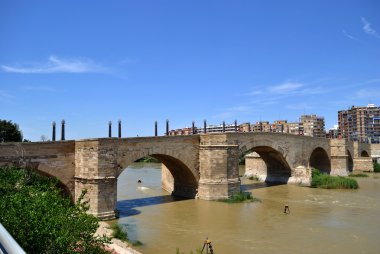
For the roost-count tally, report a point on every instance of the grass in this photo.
(325, 181)
(358, 175)
(240, 197)
(253, 178)
(119, 233)
(376, 167)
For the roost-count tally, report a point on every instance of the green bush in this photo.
(41, 220)
(358, 175)
(148, 159)
(325, 181)
(376, 167)
(240, 197)
(253, 178)
(118, 232)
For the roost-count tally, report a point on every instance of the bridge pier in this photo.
(95, 171)
(340, 161)
(219, 168)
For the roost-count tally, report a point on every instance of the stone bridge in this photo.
(203, 166)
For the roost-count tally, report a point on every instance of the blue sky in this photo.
(90, 62)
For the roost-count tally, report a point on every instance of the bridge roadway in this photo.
(201, 166)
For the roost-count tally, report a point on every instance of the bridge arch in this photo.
(350, 162)
(319, 159)
(275, 168)
(184, 180)
(364, 153)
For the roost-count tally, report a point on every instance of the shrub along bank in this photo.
(326, 181)
(40, 219)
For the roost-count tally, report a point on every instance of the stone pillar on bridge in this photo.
(219, 167)
(110, 129)
(63, 130)
(119, 129)
(339, 157)
(53, 134)
(95, 171)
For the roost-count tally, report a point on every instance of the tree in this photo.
(9, 132)
(41, 220)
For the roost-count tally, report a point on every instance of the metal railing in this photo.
(8, 245)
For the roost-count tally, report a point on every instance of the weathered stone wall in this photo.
(219, 167)
(375, 152)
(96, 169)
(55, 159)
(339, 158)
(255, 166)
(167, 179)
(363, 164)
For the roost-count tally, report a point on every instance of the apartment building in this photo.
(312, 125)
(360, 123)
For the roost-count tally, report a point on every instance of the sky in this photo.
(91, 62)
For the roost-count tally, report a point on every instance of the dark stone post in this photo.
(235, 125)
(53, 134)
(204, 126)
(224, 127)
(155, 128)
(167, 127)
(63, 130)
(282, 128)
(249, 127)
(109, 129)
(119, 129)
(270, 127)
(193, 127)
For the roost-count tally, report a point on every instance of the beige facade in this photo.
(312, 125)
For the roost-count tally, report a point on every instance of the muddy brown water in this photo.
(320, 221)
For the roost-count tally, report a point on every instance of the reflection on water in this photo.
(320, 221)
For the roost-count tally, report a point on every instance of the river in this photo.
(320, 221)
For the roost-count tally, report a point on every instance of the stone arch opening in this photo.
(320, 160)
(364, 154)
(350, 162)
(267, 164)
(177, 178)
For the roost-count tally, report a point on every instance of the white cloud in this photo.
(58, 65)
(349, 36)
(233, 111)
(5, 97)
(41, 88)
(368, 29)
(367, 93)
(286, 88)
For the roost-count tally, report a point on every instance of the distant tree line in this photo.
(9, 132)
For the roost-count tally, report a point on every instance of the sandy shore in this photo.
(118, 246)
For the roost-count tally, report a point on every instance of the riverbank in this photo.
(116, 246)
